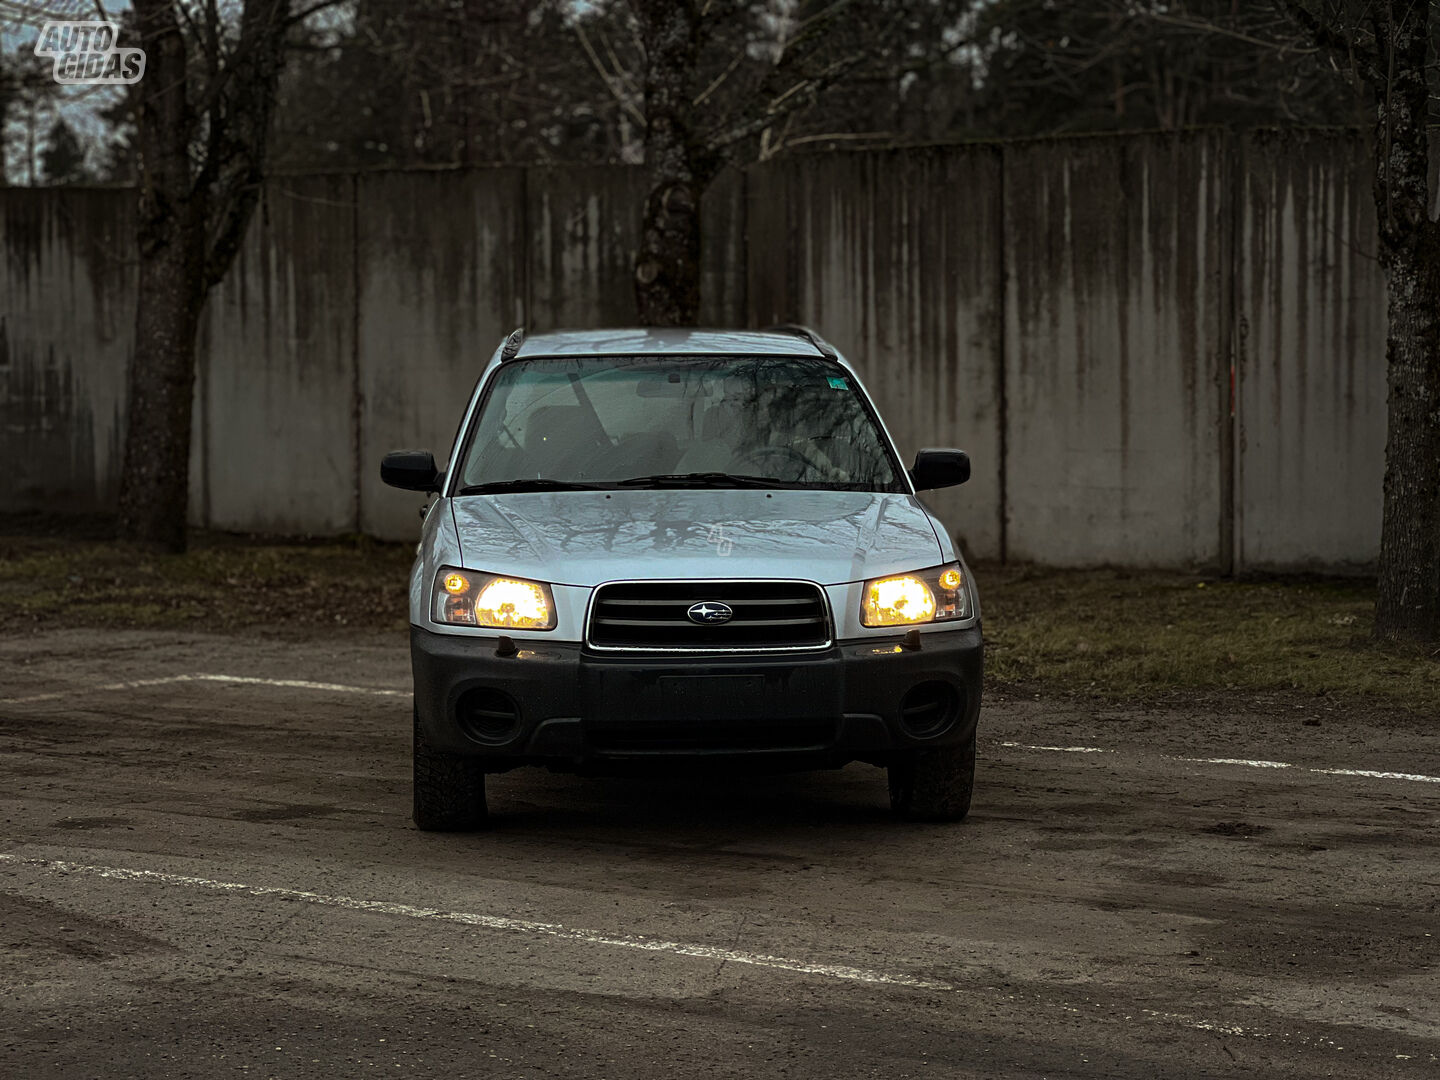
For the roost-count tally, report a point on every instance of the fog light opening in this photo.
(929, 709)
(488, 715)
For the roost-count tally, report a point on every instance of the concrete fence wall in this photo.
(1071, 312)
(1310, 349)
(1115, 350)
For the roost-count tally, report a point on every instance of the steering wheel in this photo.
(758, 455)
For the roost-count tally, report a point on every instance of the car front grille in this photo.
(651, 616)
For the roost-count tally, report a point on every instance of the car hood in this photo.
(586, 537)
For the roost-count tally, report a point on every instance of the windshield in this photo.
(602, 421)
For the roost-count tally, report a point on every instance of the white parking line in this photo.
(302, 684)
(1247, 763)
(1374, 775)
(249, 680)
(1236, 761)
(488, 922)
(56, 695)
(1059, 749)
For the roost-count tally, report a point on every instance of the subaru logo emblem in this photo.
(709, 613)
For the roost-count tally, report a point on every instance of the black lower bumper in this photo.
(563, 705)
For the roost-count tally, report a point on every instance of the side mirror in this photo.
(413, 470)
(939, 469)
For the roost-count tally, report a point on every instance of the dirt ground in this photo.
(208, 869)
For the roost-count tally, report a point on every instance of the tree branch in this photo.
(1228, 32)
(719, 79)
(786, 87)
(610, 81)
(238, 169)
(801, 93)
(1366, 62)
(314, 9)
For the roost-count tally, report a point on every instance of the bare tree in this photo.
(444, 82)
(1389, 46)
(713, 82)
(1047, 68)
(29, 99)
(63, 159)
(203, 118)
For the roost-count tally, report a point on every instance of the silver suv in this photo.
(680, 546)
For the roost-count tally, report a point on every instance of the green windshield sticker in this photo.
(838, 383)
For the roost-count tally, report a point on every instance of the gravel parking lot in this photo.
(208, 869)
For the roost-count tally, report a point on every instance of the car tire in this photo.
(933, 785)
(449, 788)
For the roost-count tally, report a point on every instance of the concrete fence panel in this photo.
(1311, 410)
(67, 315)
(723, 240)
(584, 226)
(277, 369)
(1115, 350)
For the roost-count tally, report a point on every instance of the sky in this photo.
(80, 106)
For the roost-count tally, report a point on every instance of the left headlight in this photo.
(932, 595)
(471, 598)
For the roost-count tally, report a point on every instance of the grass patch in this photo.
(1141, 635)
(222, 583)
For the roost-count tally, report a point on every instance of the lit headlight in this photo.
(470, 598)
(925, 596)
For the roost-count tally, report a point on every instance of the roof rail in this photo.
(795, 329)
(512, 344)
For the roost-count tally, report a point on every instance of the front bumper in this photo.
(562, 705)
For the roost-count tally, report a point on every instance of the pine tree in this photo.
(63, 159)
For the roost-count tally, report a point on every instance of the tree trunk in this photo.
(1408, 599)
(155, 483)
(155, 479)
(185, 249)
(667, 268)
(667, 265)
(1408, 602)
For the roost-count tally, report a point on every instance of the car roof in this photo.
(673, 341)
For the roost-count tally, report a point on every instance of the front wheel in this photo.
(449, 788)
(933, 785)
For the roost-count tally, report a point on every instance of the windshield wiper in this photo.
(526, 484)
(703, 480)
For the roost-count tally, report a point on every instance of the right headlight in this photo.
(934, 595)
(471, 598)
